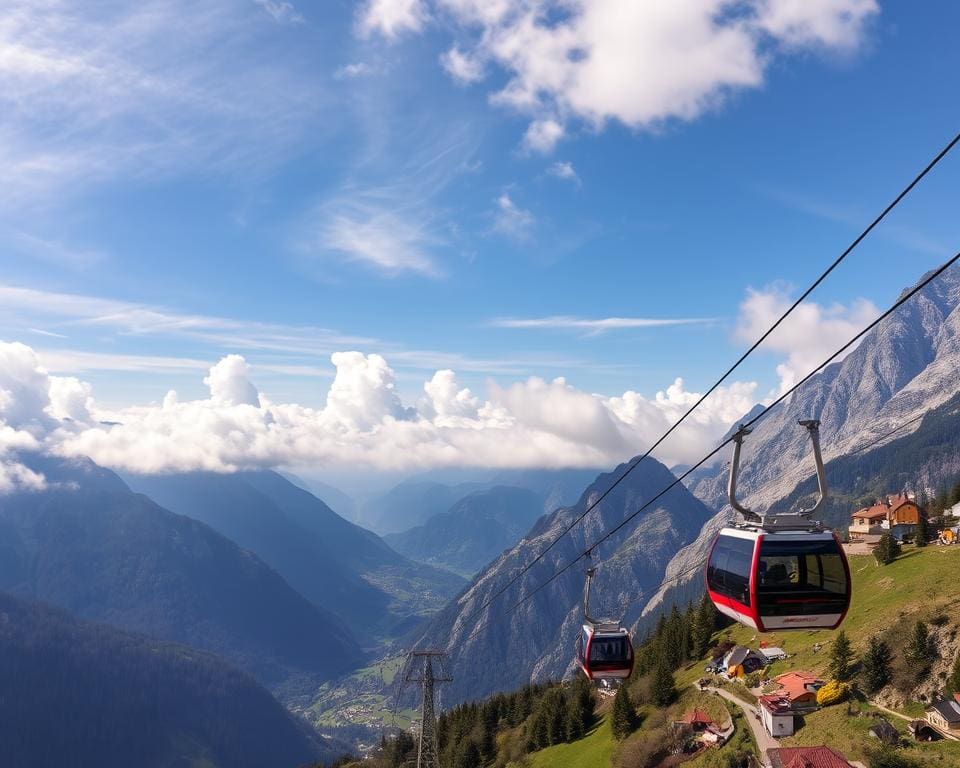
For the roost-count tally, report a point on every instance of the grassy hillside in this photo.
(592, 751)
(887, 601)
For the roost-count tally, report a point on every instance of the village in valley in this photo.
(897, 692)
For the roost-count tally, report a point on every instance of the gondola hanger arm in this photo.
(748, 514)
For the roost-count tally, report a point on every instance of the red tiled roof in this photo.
(793, 684)
(872, 513)
(776, 703)
(807, 757)
(697, 716)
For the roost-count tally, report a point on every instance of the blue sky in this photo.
(460, 185)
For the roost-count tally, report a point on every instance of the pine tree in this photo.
(624, 717)
(662, 687)
(922, 536)
(840, 658)
(919, 651)
(876, 665)
(673, 645)
(703, 627)
(953, 682)
(887, 549)
(579, 709)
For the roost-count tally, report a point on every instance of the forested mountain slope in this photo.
(77, 694)
(90, 545)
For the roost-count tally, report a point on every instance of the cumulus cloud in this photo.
(638, 62)
(363, 423)
(391, 18)
(543, 135)
(229, 382)
(807, 336)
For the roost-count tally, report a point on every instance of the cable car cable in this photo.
(636, 462)
(703, 560)
(895, 306)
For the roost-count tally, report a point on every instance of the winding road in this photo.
(764, 740)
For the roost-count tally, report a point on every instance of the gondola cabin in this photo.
(779, 579)
(604, 652)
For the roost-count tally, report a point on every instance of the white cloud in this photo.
(543, 135)
(362, 394)
(807, 336)
(639, 62)
(391, 18)
(229, 382)
(462, 67)
(26, 306)
(375, 235)
(358, 69)
(527, 423)
(511, 220)
(563, 169)
(281, 11)
(70, 398)
(24, 388)
(594, 326)
(447, 402)
(835, 24)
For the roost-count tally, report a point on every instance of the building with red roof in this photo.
(898, 514)
(806, 757)
(698, 719)
(776, 714)
(799, 688)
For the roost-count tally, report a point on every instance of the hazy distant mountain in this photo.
(413, 502)
(473, 531)
(557, 487)
(535, 642)
(907, 365)
(410, 504)
(94, 547)
(341, 503)
(332, 562)
(82, 694)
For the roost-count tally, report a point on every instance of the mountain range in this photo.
(473, 531)
(76, 693)
(89, 544)
(337, 565)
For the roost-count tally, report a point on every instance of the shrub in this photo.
(887, 549)
(832, 693)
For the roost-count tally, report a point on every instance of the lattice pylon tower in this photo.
(421, 670)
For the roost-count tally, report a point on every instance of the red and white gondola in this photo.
(779, 572)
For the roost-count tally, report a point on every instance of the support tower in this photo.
(420, 669)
